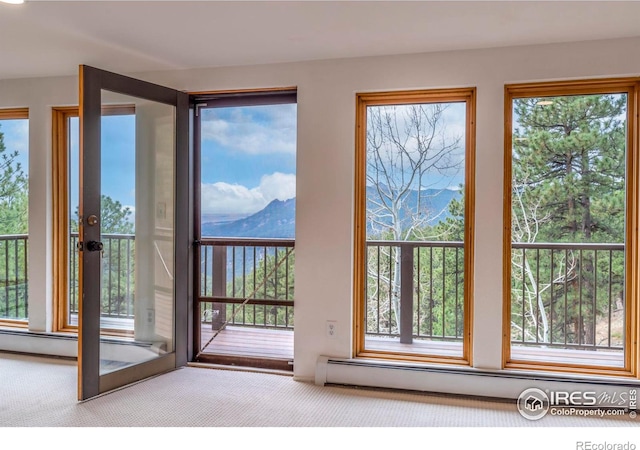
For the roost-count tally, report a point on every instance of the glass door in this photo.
(144, 161)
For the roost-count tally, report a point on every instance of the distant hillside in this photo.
(276, 220)
(434, 205)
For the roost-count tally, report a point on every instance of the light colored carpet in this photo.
(41, 392)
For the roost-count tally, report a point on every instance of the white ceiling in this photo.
(46, 37)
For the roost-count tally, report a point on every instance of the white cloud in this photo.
(225, 198)
(278, 185)
(274, 132)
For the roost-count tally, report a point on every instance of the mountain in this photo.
(276, 220)
(433, 205)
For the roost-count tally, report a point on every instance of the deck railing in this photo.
(563, 295)
(14, 296)
(231, 271)
(568, 295)
(246, 282)
(118, 280)
(415, 290)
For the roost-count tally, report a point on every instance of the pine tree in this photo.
(118, 257)
(13, 220)
(13, 192)
(568, 185)
(571, 154)
(116, 219)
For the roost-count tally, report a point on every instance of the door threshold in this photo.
(206, 365)
(285, 365)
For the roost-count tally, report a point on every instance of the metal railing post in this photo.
(406, 293)
(219, 285)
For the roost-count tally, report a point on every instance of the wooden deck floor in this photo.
(518, 353)
(248, 342)
(568, 356)
(278, 344)
(420, 347)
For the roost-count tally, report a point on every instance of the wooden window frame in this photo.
(363, 100)
(631, 87)
(15, 114)
(60, 208)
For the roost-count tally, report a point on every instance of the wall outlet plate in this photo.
(332, 328)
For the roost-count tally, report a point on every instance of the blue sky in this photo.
(16, 138)
(118, 160)
(118, 176)
(118, 157)
(248, 157)
(451, 127)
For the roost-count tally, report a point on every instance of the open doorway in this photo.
(245, 155)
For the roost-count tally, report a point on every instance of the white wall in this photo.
(325, 168)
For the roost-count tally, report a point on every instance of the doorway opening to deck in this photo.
(245, 179)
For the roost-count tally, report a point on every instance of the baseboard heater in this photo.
(34, 343)
(450, 380)
(66, 346)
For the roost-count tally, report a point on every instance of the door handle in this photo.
(95, 246)
(92, 220)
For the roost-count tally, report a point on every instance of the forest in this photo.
(568, 225)
(567, 228)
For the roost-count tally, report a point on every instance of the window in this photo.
(14, 203)
(414, 222)
(118, 215)
(571, 236)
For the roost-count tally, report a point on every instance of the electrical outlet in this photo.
(151, 316)
(332, 328)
